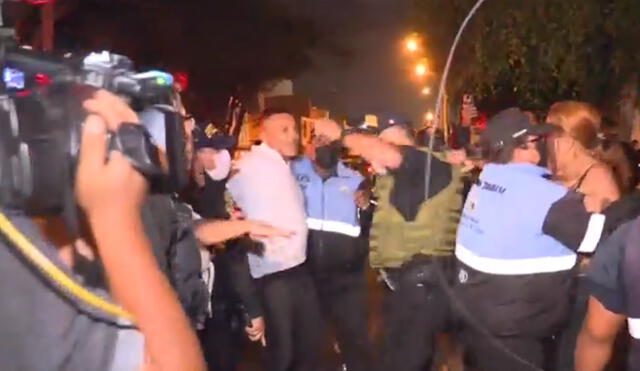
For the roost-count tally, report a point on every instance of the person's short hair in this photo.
(272, 111)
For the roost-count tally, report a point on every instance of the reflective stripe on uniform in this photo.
(593, 234)
(634, 327)
(545, 264)
(333, 226)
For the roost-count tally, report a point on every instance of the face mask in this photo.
(327, 157)
(223, 165)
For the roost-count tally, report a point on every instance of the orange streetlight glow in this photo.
(426, 90)
(421, 69)
(412, 45)
(429, 116)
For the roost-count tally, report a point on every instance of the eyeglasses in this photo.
(533, 140)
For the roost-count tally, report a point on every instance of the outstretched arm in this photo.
(216, 231)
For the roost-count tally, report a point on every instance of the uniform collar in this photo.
(341, 170)
(529, 169)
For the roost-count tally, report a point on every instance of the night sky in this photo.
(374, 78)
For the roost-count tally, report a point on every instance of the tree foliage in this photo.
(227, 47)
(533, 53)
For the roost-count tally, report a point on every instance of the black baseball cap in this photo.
(209, 136)
(508, 126)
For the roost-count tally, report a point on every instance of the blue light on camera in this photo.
(13, 79)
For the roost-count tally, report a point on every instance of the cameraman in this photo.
(39, 315)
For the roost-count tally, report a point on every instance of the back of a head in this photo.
(581, 121)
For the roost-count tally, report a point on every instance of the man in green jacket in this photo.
(412, 238)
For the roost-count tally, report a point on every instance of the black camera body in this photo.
(41, 118)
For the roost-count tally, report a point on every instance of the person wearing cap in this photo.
(337, 251)
(234, 299)
(516, 248)
(411, 239)
(214, 151)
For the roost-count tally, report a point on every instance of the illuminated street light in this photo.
(412, 43)
(428, 116)
(426, 90)
(421, 69)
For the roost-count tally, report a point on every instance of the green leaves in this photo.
(535, 52)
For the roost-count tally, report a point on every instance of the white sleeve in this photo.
(238, 182)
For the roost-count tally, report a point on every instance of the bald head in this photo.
(280, 133)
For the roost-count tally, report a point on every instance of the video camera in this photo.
(41, 118)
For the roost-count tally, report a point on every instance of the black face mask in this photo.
(327, 156)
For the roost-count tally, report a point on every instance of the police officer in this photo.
(336, 252)
(516, 248)
(412, 238)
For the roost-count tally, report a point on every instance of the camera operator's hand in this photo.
(112, 109)
(106, 185)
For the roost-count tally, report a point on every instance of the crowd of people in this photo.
(522, 258)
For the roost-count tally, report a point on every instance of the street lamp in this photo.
(421, 69)
(412, 43)
(426, 90)
(428, 116)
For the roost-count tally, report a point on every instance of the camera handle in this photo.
(133, 141)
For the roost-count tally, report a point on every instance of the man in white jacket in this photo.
(266, 190)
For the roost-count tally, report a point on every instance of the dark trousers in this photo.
(343, 299)
(223, 342)
(413, 313)
(569, 336)
(511, 319)
(293, 320)
(505, 353)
